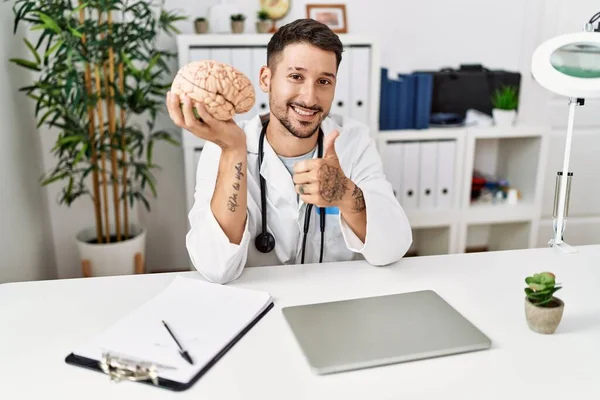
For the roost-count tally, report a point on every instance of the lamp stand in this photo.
(563, 187)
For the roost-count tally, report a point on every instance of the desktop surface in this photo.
(42, 322)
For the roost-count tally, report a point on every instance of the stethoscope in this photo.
(265, 242)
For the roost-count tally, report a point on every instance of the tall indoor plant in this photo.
(100, 83)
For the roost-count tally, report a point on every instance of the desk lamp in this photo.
(568, 65)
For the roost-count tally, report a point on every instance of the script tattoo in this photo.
(232, 202)
(333, 183)
(359, 200)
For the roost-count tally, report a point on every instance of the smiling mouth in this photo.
(303, 111)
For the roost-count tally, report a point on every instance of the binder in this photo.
(360, 71)
(427, 174)
(445, 173)
(392, 159)
(341, 102)
(208, 320)
(410, 175)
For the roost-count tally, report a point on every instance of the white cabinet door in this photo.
(242, 61)
(259, 58)
(341, 100)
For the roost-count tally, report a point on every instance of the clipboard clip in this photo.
(126, 369)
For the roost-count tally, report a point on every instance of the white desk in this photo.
(40, 323)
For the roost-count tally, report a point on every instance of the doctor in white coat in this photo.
(261, 182)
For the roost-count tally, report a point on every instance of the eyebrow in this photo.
(302, 69)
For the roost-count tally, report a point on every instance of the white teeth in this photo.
(301, 112)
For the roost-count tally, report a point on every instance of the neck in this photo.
(284, 143)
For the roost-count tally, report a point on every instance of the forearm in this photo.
(354, 211)
(229, 201)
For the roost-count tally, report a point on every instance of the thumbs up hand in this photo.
(321, 181)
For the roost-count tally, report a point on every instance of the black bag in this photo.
(471, 86)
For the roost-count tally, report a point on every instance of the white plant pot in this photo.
(110, 259)
(504, 117)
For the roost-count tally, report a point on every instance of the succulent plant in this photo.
(262, 15)
(541, 288)
(238, 17)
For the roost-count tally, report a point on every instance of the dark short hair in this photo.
(304, 30)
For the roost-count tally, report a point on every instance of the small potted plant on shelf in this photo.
(542, 310)
(237, 23)
(505, 101)
(262, 24)
(201, 25)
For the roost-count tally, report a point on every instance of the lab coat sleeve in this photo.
(389, 234)
(212, 254)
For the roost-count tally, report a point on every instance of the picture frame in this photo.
(332, 15)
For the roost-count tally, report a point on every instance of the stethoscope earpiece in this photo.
(264, 242)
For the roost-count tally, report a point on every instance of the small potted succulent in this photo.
(542, 310)
(237, 23)
(262, 24)
(505, 101)
(201, 25)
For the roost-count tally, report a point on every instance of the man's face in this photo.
(302, 87)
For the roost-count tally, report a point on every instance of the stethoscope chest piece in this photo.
(264, 242)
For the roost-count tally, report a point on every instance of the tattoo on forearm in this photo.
(333, 183)
(232, 202)
(359, 200)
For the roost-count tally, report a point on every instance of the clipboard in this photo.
(119, 366)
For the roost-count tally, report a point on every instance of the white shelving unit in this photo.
(517, 154)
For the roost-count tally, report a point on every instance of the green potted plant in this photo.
(263, 21)
(505, 101)
(201, 25)
(99, 83)
(543, 310)
(237, 23)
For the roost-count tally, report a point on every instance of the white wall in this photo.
(26, 247)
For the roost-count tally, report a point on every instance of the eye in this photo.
(296, 76)
(324, 81)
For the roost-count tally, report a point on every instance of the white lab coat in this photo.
(388, 235)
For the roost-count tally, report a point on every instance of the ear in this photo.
(264, 78)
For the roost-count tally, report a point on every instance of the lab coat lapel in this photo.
(279, 181)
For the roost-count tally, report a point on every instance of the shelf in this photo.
(430, 241)
(421, 134)
(430, 218)
(492, 213)
(499, 132)
(499, 236)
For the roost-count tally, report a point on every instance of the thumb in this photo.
(329, 144)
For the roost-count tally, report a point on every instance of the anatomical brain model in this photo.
(224, 90)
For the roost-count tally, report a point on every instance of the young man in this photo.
(325, 168)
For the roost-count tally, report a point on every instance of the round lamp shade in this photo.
(569, 65)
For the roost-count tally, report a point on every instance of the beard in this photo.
(299, 129)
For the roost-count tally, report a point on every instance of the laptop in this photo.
(367, 332)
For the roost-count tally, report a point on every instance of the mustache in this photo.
(311, 108)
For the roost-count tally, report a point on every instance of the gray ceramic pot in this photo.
(544, 319)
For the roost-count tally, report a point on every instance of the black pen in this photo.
(183, 352)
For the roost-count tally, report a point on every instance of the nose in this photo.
(308, 95)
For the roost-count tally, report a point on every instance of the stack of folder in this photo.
(405, 102)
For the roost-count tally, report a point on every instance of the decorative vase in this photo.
(263, 26)
(109, 259)
(504, 117)
(237, 26)
(201, 26)
(544, 320)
